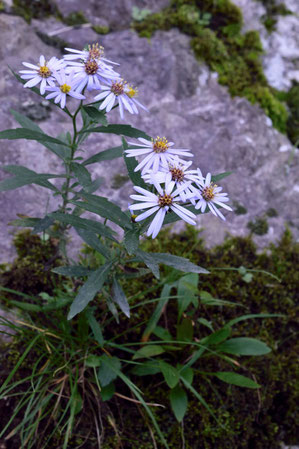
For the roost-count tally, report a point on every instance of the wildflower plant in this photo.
(166, 190)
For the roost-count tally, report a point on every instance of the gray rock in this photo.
(186, 105)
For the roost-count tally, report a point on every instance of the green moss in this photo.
(31, 271)
(75, 18)
(273, 9)
(2, 7)
(239, 209)
(234, 56)
(271, 212)
(101, 29)
(292, 99)
(36, 9)
(259, 226)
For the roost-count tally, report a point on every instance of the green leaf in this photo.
(178, 402)
(185, 330)
(81, 173)
(24, 133)
(86, 293)
(187, 373)
(24, 176)
(253, 315)
(207, 299)
(60, 150)
(119, 298)
(216, 178)
(107, 392)
(148, 351)
(84, 223)
(217, 337)
(93, 361)
(187, 287)
(72, 271)
(205, 323)
(108, 370)
(147, 368)
(107, 155)
(105, 208)
(171, 375)
(96, 115)
(95, 327)
(131, 240)
(179, 263)
(149, 261)
(93, 240)
(131, 164)
(43, 224)
(153, 321)
(244, 346)
(236, 379)
(28, 222)
(120, 130)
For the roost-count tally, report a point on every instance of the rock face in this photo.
(186, 104)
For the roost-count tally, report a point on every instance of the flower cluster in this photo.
(173, 186)
(81, 70)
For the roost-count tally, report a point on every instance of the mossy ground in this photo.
(250, 420)
(234, 56)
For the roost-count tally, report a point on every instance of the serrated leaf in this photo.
(236, 379)
(178, 402)
(149, 261)
(119, 298)
(106, 209)
(91, 239)
(84, 223)
(96, 115)
(244, 346)
(108, 370)
(81, 173)
(131, 240)
(148, 351)
(107, 155)
(89, 290)
(120, 130)
(93, 361)
(107, 392)
(171, 374)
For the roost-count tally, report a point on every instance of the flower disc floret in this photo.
(44, 71)
(160, 144)
(177, 174)
(117, 87)
(131, 91)
(65, 88)
(165, 200)
(91, 67)
(95, 51)
(208, 193)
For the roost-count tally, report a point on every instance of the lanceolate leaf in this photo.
(149, 261)
(187, 289)
(171, 374)
(95, 327)
(73, 271)
(216, 178)
(253, 315)
(23, 133)
(81, 173)
(119, 298)
(178, 402)
(148, 351)
(92, 240)
(96, 115)
(24, 176)
(84, 223)
(244, 346)
(236, 379)
(180, 263)
(131, 240)
(86, 293)
(154, 319)
(121, 130)
(107, 155)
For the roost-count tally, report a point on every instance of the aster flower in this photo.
(66, 86)
(159, 204)
(158, 154)
(179, 173)
(42, 73)
(121, 93)
(211, 195)
(91, 71)
(91, 52)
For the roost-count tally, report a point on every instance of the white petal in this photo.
(145, 205)
(182, 215)
(146, 214)
(144, 192)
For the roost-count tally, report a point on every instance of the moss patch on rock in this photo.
(234, 56)
(36, 9)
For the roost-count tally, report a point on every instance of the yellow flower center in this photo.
(177, 174)
(91, 67)
(160, 144)
(165, 200)
(208, 192)
(95, 51)
(132, 92)
(44, 71)
(117, 87)
(65, 88)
